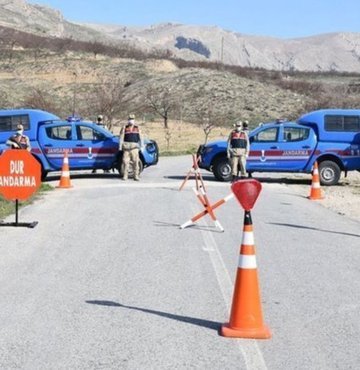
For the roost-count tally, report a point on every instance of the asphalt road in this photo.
(108, 280)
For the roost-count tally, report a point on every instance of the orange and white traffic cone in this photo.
(315, 192)
(65, 173)
(246, 319)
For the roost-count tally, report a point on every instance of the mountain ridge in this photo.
(336, 51)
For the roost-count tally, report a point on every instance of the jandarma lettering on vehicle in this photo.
(17, 181)
(295, 152)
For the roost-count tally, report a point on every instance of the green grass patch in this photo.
(8, 207)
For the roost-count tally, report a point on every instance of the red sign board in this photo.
(246, 192)
(20, 174)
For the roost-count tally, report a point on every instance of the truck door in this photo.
(93, 148)
(54, 139)
(296, 145)
(263, 150)
(281, 148)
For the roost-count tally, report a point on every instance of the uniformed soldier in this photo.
(245, 126)
(19, 140)
(100, 121)
(238, 147)
(131, 142)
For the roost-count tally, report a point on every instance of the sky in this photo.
(277, 18)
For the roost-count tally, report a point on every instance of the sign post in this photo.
(20, 177)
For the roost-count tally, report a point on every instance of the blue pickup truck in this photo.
(89, 145)
(330, 136)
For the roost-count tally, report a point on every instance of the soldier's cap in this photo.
(246, 124)
(131, 116)
(238, 124)
(18, 133)
(20, 126)
(100, 117)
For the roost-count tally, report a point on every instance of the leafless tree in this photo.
(161, 102)
(96, 48)
(207, 127)
(107, 99)
(167, 138)
(39, 99)
(207, 119)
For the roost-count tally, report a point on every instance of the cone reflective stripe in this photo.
(209, 209)
(196, 171)
(315, 191)
(246, 320)
(65, 173)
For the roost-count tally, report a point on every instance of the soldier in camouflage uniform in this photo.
(131, 142)
(238, 148)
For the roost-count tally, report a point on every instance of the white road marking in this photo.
(249, 348)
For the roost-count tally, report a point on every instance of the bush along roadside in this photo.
(8, 207)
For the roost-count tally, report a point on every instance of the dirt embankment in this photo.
(343, 198)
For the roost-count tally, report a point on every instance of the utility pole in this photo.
(222, 50)
(74, 92)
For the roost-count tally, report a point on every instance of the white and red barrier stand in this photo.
(209, 208)
(195, 171)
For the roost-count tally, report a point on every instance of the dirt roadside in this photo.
(343, 198)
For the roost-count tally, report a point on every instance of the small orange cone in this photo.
(246, 319)
(315, 192)
(65, 173)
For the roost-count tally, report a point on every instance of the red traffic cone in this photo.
(246, 319)
(315, 191)
(65, 173)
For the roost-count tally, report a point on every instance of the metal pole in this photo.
(16, 212)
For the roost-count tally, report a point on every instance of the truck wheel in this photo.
(329, 173)
(222, 169)
(131, 168)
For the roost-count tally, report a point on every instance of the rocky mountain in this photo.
(42, 21)
(327, 52)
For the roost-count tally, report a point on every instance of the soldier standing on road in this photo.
(131, 142)
(19, 140)
(238, 147)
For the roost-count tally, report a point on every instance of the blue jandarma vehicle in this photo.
(330, 136)
(89, 145)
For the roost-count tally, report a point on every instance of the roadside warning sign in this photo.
(20, 174)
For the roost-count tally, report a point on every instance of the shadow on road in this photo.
(313, 228)
(182, 178)
(270, 180)
(52, 177)
(166, 224)
(194, 226)
(189, 320)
